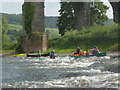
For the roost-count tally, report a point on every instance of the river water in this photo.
(23, 72)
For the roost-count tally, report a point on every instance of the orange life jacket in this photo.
(88, 53)
(76, 54)
(81, 54)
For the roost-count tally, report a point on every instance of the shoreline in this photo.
(58, 54)
(7, 54)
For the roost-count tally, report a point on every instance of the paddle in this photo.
(39, 53)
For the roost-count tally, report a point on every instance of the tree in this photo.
(65, 21)
(98, 13)
(5, 38)
(4, 25)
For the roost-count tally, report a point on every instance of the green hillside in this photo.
(105, 37)
(13, 18)
(15, 27)
(50, 22)
(16, 30)
(52, 33)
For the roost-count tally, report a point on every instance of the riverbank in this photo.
(7, 54)
(117, 54)
(105, 38)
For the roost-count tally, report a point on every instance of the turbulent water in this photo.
(22, 72)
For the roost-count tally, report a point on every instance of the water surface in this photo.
(22, 72)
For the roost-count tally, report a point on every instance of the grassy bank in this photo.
(104, 37)
(6, 51)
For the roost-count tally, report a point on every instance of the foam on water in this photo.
(97, 81)
(59, 72)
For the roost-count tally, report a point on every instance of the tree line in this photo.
(66, 19)
(50, 21)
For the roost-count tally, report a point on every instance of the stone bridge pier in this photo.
(116, 11)
(82, 14)
(34, 37)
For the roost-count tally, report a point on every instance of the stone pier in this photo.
(34, 36)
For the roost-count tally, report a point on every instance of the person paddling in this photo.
(95, 51)
(87, 53)
(78, 50)
(52, 54)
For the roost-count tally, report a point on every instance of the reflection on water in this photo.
(22, 72)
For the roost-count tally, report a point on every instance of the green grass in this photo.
(15, 27)
(51, 29)
(104, 37)
(62, 51)
(52, 33)
(6, 51)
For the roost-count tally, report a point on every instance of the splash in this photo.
(60, 72)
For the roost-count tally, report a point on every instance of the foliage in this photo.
(4, 25)
(5, 38)
(115, 47)
(5, 51)
(18, 45)
(28, 16)
(15, 27)
(98, 13)
(13, 18)
(7, 43)
(102, 36)
(50, 22)
(16, 19)
(52, 33)
(14, 31)
(65, 20)
(14, 34)
(62, 51)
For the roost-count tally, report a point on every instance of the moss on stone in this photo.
(38, 33)
(29, 10)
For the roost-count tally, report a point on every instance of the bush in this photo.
(18, 46)
(105, 37)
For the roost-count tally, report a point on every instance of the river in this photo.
(23, 72)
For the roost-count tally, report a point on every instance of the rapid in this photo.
(93, 72)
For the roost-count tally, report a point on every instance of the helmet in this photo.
(53, 51)
(95, 46)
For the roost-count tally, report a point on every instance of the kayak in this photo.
(97, 55)
(18, 55)
(76, 57)
(32, 55)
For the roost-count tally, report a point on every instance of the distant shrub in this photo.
(102, 36)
